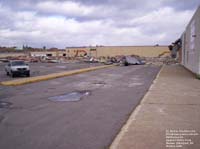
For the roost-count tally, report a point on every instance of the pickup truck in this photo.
(17, 67)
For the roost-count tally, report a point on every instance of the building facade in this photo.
(110, 51)
(191, 44)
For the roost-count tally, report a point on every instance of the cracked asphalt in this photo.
(33, 121)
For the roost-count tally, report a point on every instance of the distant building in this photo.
(100, 51)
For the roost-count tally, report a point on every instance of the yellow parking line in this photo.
(51, 76)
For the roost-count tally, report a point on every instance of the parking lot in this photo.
(38, 69)
(33, 120)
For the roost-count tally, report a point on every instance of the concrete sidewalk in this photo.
(168, 116)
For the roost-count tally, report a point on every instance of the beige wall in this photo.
(146, 51)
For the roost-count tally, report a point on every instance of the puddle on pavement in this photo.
(4, 104)
(72, 96)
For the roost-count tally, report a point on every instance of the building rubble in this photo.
(164, 58)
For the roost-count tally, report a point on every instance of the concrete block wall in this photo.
(191, 44)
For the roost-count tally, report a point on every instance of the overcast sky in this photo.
(61, 23)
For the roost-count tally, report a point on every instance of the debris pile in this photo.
(42, 59)
(161, 60)
(24, 58)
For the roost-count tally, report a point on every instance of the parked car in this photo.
(17, 67)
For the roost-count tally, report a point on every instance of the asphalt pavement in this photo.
(38, 69)
(31, 120)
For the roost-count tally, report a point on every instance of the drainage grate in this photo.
(73, 96)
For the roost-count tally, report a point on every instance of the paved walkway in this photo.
(168, 116)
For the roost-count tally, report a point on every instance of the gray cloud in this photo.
(86, 22)
(183, 4)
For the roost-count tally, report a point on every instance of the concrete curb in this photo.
(132, 117)
(152, 85)
(51, 76)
